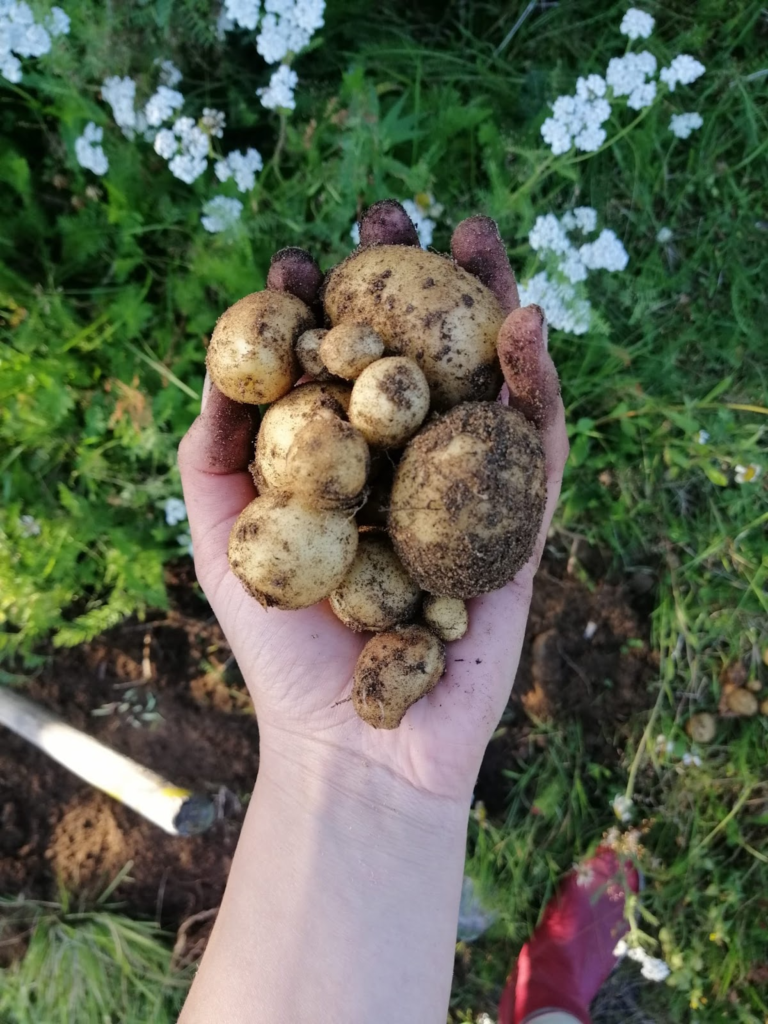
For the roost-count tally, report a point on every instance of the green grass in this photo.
(128, 285)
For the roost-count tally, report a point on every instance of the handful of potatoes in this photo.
(392, 483)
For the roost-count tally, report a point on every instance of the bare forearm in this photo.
(342, 901)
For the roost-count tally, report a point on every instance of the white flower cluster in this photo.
(120, 94)
(162, 105)
(175, 511)
(89, 151)
(682, 125)
(278, 95)
(185, 147)
(651, 967)
(242, 167)
(569, 265)
(213, 122)
(22, 36)
(577, 119)
(221, 213)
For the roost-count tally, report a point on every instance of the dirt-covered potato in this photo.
(327, 464)
(288, 556)
(282, 422)
(347, 349)
(389, 401)
(468, 500)
(377, 593)
(446, 616)
(308, 353)
(426, 307)
(251, 355)
(395, 670)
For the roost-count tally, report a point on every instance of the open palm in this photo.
(299, 665)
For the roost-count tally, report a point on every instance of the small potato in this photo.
(288, 556)
(389, 402)
(282, 422)
(742, 703)
(395, 670)
(327, 464)
(376, 593)
(308, 353)
(251, 357)
(701, 727)
(446, 616)
(347, 349)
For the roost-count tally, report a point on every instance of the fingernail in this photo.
(207, 385)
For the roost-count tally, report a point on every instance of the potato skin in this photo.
(288, 556)
(347, 349)
(446, 616)
(377, 593)
(251, 356)
(327, 464)
(307, 350)
(394, 670)
(389, 401)
(426, 307)
(283, 421)
(468, 499)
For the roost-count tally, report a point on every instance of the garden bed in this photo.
(59, 831)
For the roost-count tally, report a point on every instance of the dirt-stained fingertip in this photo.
(296, 271)
(477, 246)
(230, 431)
(530, 374)
(387, 223)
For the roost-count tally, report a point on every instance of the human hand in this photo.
(299, 665)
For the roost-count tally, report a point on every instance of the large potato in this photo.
(327, 464)
(468, 499)
(389, 401)
(251, 355)
(283, 421)
(377, 593)
(426, 307)
(395, 670)
(289, 556)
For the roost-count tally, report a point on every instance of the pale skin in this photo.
(343, 897)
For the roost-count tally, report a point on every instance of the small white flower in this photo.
(573, 267)
(627, 73)
(169, 73)
(29, 526)
(664, 235)
(585, 219)
(620, 948)
(187, 167)
(682, 125)
(162, 105)
(221, 213)
(683, 70)
(213, 122)
(243, 167)
(120, 94)
(485, 1019)
(564, 310)
(636, 24)
(556, 135)
(548, 234)
(175, 511)
(590, 139)
(244, 13)
(747, 474)
(622, 808)
(166, 144)
(278, 95)
(354, 233)
(702, 437)
(689, 759)
(591, 87)
(10, 67)
(425, 226)
(590, 629)
(57, 22)
(605, 253)
(642, 96)
(89, 152)
(654, 969)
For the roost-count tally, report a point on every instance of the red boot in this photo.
(570, 954)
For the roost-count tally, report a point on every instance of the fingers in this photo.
(213, 462)
(477, 246)
(530, 374)
(387, 223)
(295, 270)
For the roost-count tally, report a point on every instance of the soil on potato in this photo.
(55, 829)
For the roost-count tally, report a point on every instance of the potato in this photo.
(446, 616)
(468, 499)
(307, 350)
(327, 464)
(346, 350)
(376, 593)
(701, 727)
(250, 357)
(742, 702)
(426, 307)
(283, 421)
(289, 556)
(395, 670)
(389, 401)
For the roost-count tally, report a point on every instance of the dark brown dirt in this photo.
(55, 828)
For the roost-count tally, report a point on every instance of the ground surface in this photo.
(57, 830)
